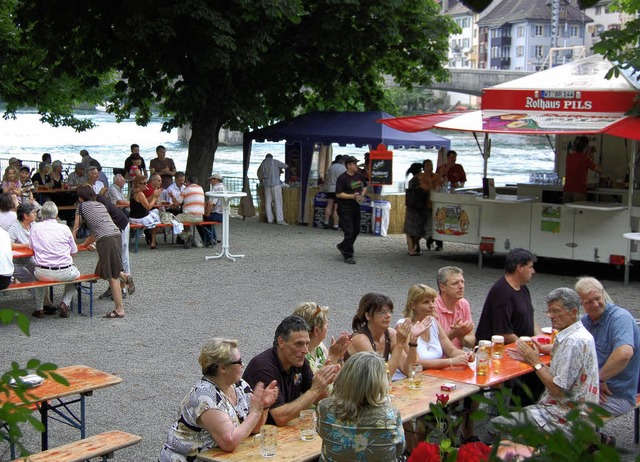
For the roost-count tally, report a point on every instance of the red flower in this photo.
(473, 452)
(425, 452)
(442, 399)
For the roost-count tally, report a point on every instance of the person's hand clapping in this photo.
(529, 355)
(338, 347)
(418, 328)
(324, 377)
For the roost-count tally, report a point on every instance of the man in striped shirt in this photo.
(192, 199)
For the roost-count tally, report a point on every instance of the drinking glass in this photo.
(307, 424)
(268, 440)
(415, 376)
(497, 346)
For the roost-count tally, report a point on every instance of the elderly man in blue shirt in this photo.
(617, 339)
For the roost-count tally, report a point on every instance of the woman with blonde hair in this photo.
(317, 319)
(220, 410)
(358, 421)
(435, 350)
(11, 184)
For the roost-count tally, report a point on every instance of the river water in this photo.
(512, 159)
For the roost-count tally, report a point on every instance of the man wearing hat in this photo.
(213, 210)
(15, 162)
(76, 178)
(351, 187)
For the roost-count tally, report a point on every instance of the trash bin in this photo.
(319, 204)
(380, 221)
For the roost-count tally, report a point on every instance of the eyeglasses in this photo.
(238, 361)
(382, 313)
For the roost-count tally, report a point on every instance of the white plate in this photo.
(547, 330)
(30, 381)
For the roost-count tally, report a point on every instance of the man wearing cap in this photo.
(336, 169)
(213, 210)
(351, 187)
(164, 166)
(269, 175)
(76, 178)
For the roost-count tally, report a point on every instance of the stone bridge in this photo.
(472, 81)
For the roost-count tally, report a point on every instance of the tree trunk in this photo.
(203, 144)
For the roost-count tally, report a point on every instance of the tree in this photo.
(239, 64)
(621, 46)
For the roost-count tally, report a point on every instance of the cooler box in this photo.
(319, 205)
(380, 217)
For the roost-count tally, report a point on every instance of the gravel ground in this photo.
(182, 300)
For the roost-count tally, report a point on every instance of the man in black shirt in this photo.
(351, 187)
(508, 311)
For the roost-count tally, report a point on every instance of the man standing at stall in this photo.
(269, 175)
(351, 187)
(578, 164)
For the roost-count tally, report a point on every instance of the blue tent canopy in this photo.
(302, 133)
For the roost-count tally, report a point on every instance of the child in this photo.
(135, 169)
(27, 185)
(11, 183)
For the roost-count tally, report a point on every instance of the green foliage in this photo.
(582, 442)
(621, 46)
(240, 64)
(415, 101)
(12, 415)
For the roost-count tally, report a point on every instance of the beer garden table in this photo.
(410, 403)
(500, 371)
(83, 380)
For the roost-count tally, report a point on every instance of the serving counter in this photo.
(586, 231)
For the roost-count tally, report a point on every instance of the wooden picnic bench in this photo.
(102, 445)
(137, 227)
(84, 284)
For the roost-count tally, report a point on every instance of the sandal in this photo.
(113, 315)
(131, 287)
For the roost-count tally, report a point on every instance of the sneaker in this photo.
(187, 242)
(336, 227)
(199, 245)
(327, 225)
(283, 223)
(350, 261)
(64, 310)
(106, 295)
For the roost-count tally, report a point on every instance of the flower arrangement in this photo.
(440, 444)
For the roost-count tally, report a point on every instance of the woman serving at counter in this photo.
(577, 167)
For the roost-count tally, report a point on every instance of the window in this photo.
(520, 51)
(538, 31)
(598, 10)
(465, 43)
(573, 31)
(520, 31)
(613, 27)
(538, 51)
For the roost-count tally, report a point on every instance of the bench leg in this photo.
(636, 425)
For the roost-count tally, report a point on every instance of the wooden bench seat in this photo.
(102, 445)
(84, 283)
(137, 227)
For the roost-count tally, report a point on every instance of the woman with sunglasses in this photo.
(220, 410)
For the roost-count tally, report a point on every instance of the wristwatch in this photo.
(538, 366)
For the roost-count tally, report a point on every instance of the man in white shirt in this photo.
(92, 179)
(172, 193)
(115, 194)
(212, 210)
(269, 175)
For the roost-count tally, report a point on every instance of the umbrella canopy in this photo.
(302, 133)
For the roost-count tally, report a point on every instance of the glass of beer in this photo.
(307, 424)
(415, 376)
(528, 341)
(497, 346)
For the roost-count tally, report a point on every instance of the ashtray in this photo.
(29, 381)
